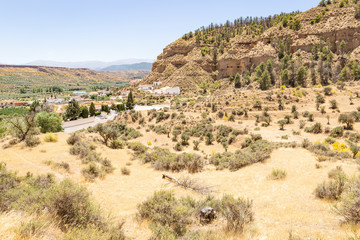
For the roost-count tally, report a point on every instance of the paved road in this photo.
(73, 126)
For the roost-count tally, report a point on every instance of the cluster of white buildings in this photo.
(161, 91)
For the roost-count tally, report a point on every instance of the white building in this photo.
(168, 91)
(157, 83)
(145, 88)
(115, 98)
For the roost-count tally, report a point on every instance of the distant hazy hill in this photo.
(94, 65)
(129, 67)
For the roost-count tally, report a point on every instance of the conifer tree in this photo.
(130, 101)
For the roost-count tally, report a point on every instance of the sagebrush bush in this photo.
(349, 206)
(163, 159)
(68, 204)
(91, 172)
(117, 144)
(32, 141)
(137, 147)
(237, 212)
(257, 151)
(333, 188)
(337, 132)
(74, 138)
(163, 209)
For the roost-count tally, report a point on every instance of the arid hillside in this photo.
(318, 46)
(14, 77)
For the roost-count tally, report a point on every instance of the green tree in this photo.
(270, 69)
(84, 112)
(72, 111)
(120, 107)
(301, 76)
(23, 127)
(237, 81)
(130, 101)
(347, 119)
(35, 106)
(265, 82)
(92, 109)
(49, 122)
(105, 108)
(284, 75)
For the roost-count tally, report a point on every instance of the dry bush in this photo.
(32, 141)
(237, 212)
(125, 171)
(163, 209)
(349, 206)
(257, 151)
(277, 174)
(91, 172)
(333, 188)
(163, 159)
(74, 138)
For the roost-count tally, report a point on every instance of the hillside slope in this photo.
(14, 77)
(319, 43)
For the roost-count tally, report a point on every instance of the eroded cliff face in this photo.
(182, 63)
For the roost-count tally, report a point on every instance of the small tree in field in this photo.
(72, 111)
(130, 101)
(281, 124)
(84, 112)
(347, 119)
(209, 138)
(23, 127)
(92, 109)
(355, 150)
(196, 145)
(49, 122)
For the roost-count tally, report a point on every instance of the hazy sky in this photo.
(107, 30)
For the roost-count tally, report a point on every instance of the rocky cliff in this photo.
(208, 56)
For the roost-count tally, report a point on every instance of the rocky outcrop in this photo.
(182, 63)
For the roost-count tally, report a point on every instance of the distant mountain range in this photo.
(129, 67)
(124, 64)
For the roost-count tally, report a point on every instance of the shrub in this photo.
(32, 141)
(337, 132)
(316, 128)
(137, 147)
(349, 206)
(72, 204)
(117, 144)
(334, 188)
(257, 151)
(163, 159)
(106, 166)
(74, 138)
(91, 172)
(51, 138)
(163, 209)
(277, 174)
(237, 212)
(333, 104)
(125, 171)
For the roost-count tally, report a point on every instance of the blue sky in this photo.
(108, 30)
